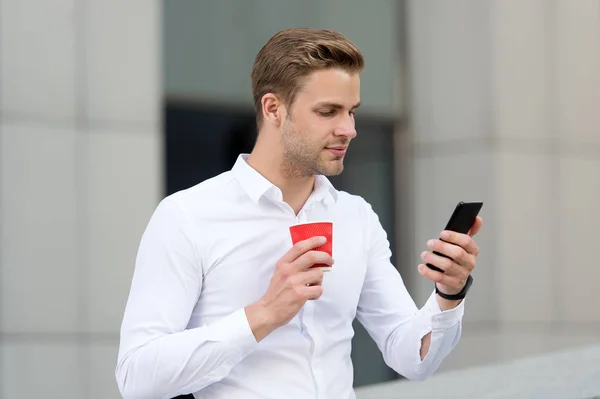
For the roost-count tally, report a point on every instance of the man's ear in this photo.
(273, 109)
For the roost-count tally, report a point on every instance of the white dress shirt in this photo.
(210, 250)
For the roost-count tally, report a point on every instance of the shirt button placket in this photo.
(308, 322)
(301, 218)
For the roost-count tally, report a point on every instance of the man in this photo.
(223, 306)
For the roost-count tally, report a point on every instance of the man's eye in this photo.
(327, 113)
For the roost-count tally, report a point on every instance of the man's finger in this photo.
(441, 278)
(436, 260)
(452, 251)
(311, 277)
(462, 240)
(302, 247)
(432, 275)
(476, 226)
(310, 258)
(313, 292)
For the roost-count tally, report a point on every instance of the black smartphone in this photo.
(461, 221)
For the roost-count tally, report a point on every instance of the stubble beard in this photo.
(300, 159)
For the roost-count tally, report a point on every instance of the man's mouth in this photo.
(338, 151)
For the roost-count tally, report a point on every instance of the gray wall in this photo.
(505, 101)
(80, 164)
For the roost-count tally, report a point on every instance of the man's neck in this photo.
(295, 190)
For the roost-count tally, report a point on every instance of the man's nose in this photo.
(347, 129)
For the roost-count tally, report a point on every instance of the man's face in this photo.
(320, 123)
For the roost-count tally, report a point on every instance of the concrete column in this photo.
(504, 108)
(80, 174)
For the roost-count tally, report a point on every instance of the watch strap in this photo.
(458, 296)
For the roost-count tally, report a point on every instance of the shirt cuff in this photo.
(235, 330)
(443, 319)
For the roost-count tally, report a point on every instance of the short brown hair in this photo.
(291, 54)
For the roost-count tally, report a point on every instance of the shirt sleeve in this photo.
(158, 357)
(390, 315)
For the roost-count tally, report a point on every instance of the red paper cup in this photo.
(304, 231)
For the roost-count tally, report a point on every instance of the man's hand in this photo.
(293, 283)
(462, 251)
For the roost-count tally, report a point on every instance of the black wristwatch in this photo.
(458, 296)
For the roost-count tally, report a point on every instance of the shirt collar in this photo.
(256, 185)
(324, 190)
